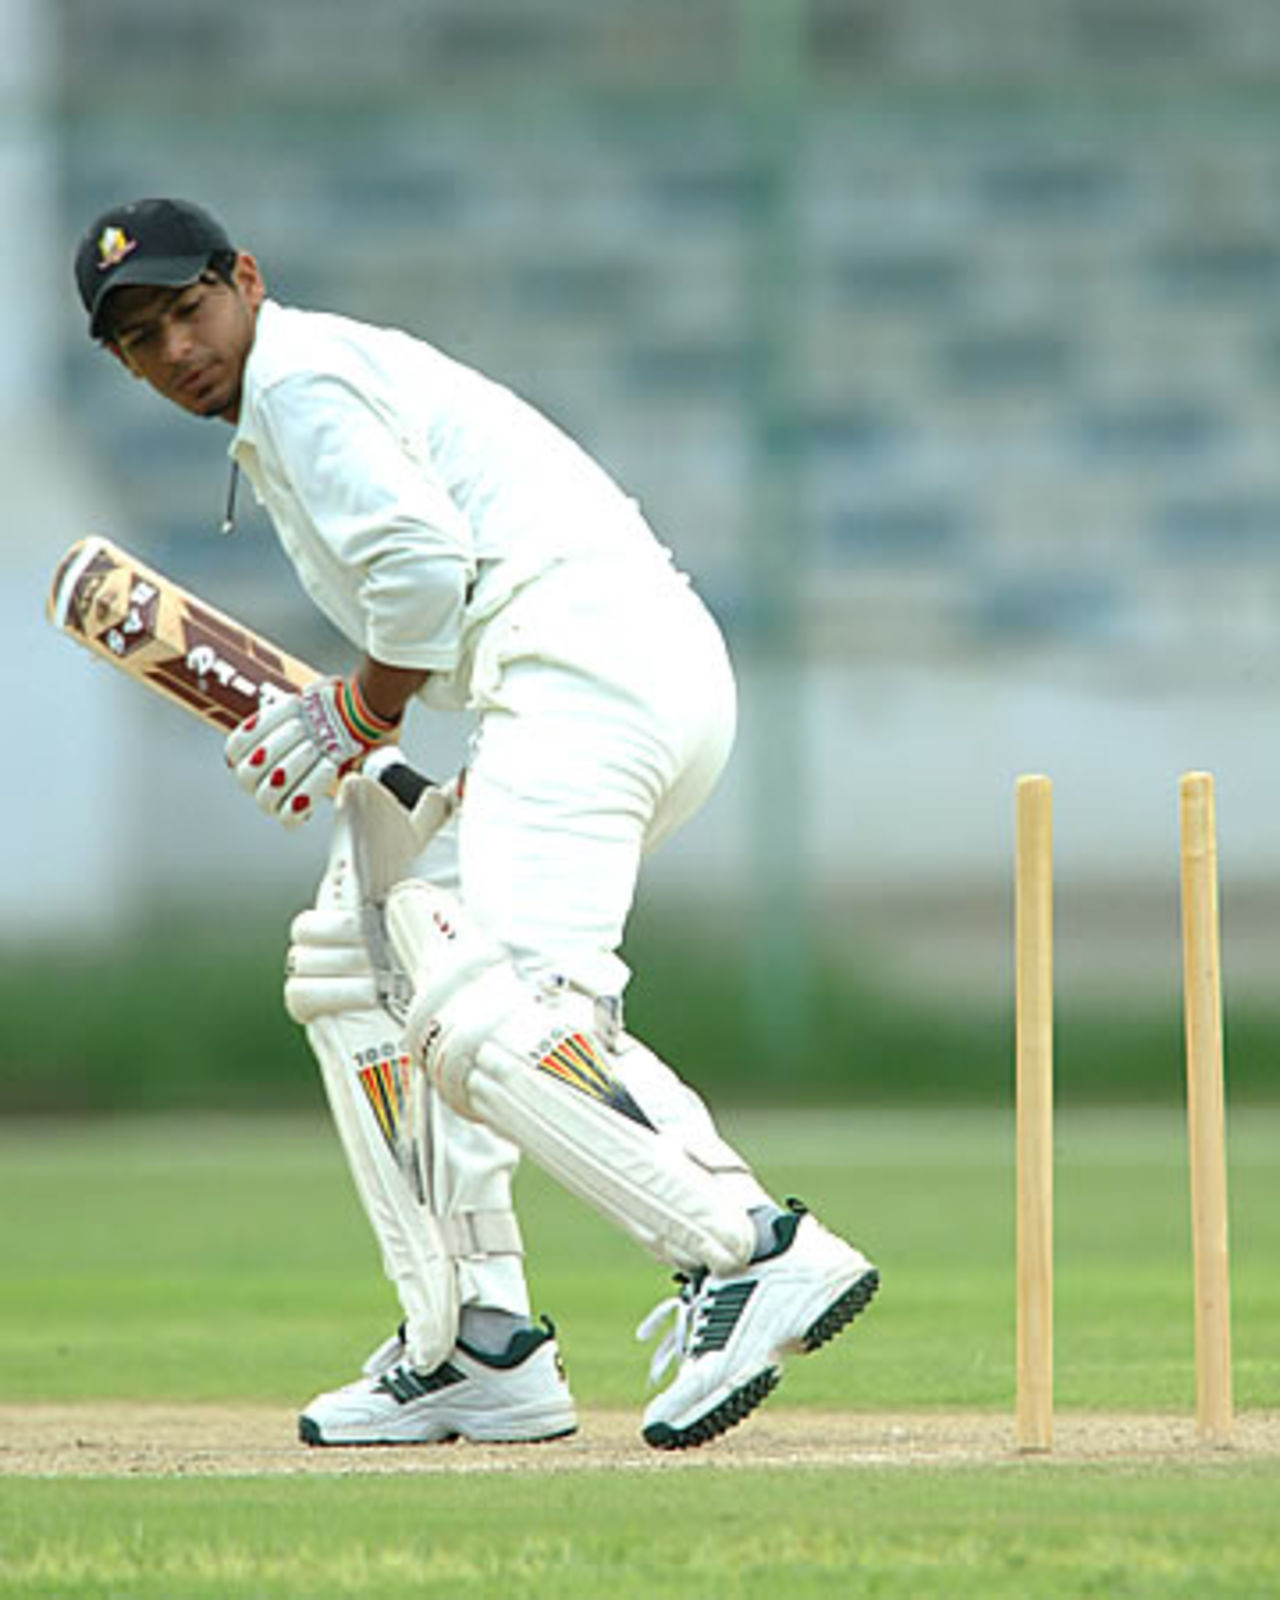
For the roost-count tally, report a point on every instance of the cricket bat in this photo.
(125, 612)
(152, 628)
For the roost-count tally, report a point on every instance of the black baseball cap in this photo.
(166, 243)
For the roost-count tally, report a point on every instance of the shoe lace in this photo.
(681, 1308)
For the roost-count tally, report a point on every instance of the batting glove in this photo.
(293, 753)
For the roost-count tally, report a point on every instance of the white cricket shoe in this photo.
(729, 1334)
(520, 1396)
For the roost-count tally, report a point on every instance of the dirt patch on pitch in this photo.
(134, 1440)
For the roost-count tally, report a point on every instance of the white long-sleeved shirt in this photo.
(413, 495)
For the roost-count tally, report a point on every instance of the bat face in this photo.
(151, 628)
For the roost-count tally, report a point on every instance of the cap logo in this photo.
(114, 244)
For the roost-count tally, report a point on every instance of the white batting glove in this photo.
(328, 971)
(293, 753)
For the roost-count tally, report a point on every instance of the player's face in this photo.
(191, 344)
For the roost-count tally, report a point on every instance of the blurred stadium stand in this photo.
(1032, 295)
(941, 340)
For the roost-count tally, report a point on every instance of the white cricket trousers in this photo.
(608, 709)
(607, 712)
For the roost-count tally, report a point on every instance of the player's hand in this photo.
(293, 753)
(328, 971)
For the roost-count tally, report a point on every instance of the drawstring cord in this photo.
(229, 513)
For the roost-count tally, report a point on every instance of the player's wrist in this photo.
(366, 724)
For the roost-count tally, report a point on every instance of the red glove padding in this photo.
(290, 755)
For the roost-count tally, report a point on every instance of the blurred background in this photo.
(941, 342)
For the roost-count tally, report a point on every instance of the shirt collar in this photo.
(264, 331)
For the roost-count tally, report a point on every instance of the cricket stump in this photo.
(1206, 1123)
(1033, 939)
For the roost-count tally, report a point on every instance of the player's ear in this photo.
(247, 277)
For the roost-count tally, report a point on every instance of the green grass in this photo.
(217, 1259)
(710, 1535)
(212, 1258)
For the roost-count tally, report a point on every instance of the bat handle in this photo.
(393, 772)
(405, 782)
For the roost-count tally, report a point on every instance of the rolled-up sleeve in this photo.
(381, 515)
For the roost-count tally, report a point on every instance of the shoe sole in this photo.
(309, 1433)
(841, 1312)
(742, 1401)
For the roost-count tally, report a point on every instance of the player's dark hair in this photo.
(223, 263)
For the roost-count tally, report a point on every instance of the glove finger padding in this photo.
(266, 749)
(292, 789)
(283, 770)
(242, 740)
(328, 966)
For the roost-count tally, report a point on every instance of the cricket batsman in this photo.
(476, 558)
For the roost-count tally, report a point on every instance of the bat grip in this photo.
(405, 782)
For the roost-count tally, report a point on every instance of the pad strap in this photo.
(482, 1233)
